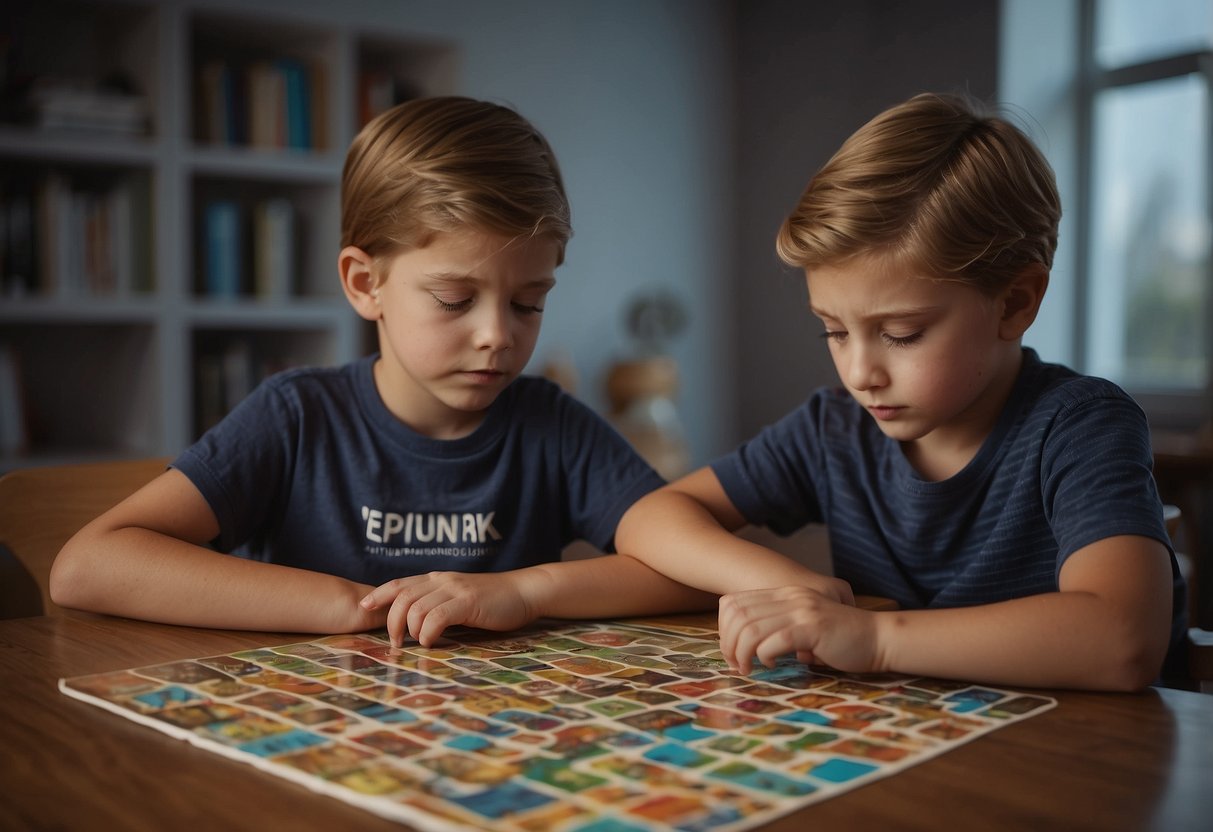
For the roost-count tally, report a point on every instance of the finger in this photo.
(739, 614)
(806, 657)
(776, 644)
(435, 622)
(420, 608)
(727, 625)
(380, 595)
(744, 637)
(397, 619)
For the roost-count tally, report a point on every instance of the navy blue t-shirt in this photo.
(1067, 464)
(312, 470)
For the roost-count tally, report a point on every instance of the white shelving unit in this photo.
(126, 365)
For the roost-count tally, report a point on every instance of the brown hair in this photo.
(938, 184)
(449, 163)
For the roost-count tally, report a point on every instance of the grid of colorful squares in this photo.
(624, 726)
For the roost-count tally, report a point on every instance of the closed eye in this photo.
(452, 306)
(900, 340)
(835, 335)
(527, 309)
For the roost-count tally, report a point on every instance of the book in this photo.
(298, 104)
(224, 247)
(121, 236)
(14, 436)
(320, 105)
(215, 103)
(273, 248)
(18, 242)
(266, 105)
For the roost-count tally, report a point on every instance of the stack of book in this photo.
(64, 240)
(249, 253)
(61, 106)
(264, 104)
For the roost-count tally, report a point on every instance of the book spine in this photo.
(14, 435)
(223, 249)
(298, 105)
(274, 248)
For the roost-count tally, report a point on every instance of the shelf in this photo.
(289, 166)
(50, 146)
(144, 310)
(111, 359)
(245, 313)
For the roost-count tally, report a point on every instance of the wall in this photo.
(685, 130)
(636, 98)
(809, 74)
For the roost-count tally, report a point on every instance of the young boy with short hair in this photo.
(1006, 504)
(379, 493)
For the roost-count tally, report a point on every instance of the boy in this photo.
(1007, 505)
(432, 459)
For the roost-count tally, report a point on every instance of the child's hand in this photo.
(769, 623)
(425, 605)
(836, 589)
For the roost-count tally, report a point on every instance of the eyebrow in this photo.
(457, 277)
(880, 315)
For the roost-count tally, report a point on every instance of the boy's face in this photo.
(927, 358)
(459, 320)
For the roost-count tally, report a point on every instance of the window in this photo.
(1118, 95)
(1145, 276)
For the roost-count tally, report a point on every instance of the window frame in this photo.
(1169, 408)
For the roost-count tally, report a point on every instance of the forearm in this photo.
(1059, 639)
(681, 539)
(142, 574)
(605, 587)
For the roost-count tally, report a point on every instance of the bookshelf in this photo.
(169, 209)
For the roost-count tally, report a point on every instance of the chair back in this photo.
(41, 507)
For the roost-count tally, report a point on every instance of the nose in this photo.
(493, 331)
(865, 370)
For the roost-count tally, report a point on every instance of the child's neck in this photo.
(944, 453)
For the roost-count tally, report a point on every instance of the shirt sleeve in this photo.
(604, 475)
(770, 479)
(241, 464)
(1096, 476)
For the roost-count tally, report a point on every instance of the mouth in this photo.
(484, 376)
(883, 412)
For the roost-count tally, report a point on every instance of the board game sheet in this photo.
(624, 726)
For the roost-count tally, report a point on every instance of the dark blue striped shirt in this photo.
(1067, 464)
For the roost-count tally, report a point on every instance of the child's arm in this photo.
(145, 558)
(1106, 628)
(685, 530)
(600, 587)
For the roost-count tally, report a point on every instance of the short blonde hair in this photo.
(447, 164)
(937, 184)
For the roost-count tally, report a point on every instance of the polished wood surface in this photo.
(1096, 761)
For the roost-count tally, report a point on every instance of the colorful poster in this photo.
(624, 726)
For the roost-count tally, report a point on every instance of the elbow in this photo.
(627, 538)
(68, 581)
(1135, 664)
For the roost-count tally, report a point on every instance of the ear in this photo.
(1021, 301)
(359, 282)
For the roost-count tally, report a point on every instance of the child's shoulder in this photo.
(1061, 387)
(311, 381)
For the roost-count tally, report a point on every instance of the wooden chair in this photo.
(1200, 646)
(40, 508)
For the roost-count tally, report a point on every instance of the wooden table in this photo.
(1096, 761)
